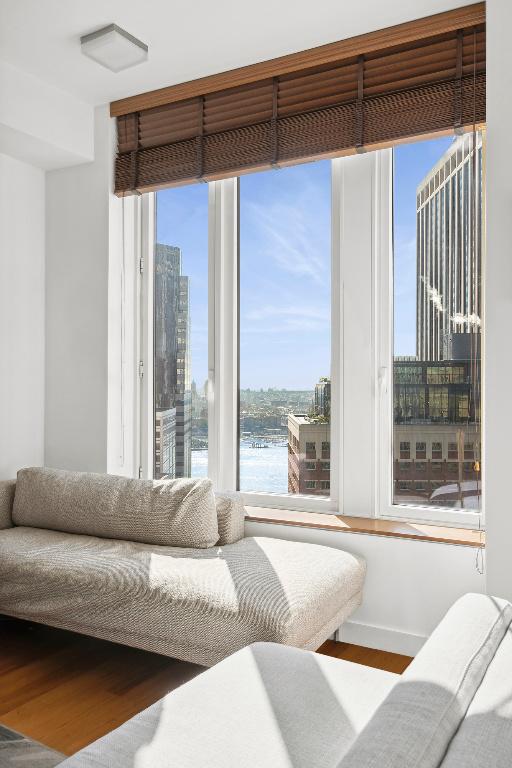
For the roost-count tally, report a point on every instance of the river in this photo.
(261, 469)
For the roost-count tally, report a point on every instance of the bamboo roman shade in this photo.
(360, 96)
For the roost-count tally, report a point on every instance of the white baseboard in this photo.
(381, 638)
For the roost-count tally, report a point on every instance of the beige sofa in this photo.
(269, 706)
(163, 566)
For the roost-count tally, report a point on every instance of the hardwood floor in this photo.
(391, 662)
(66, 690)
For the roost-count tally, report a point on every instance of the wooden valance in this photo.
(420, 78)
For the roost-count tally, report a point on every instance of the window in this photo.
(271, 416)
(405, 450)
(180, 305)
(437, 450)
(437, 275)
(421, 450)
(453, 451)
(285, 334)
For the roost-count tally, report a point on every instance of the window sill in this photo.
(366, 525)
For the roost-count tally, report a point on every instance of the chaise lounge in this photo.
(163, 566)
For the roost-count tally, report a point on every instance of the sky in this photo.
(285, 266)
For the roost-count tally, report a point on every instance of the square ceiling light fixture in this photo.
(114, 48)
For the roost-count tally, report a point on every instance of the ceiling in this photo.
(186, 39)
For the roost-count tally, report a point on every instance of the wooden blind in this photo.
(373, 97)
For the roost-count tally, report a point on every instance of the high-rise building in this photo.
(437, 442)
(309, 455)
(323, 397)
(436, 445)
(309, 445)
(172, 387)
(165, 443)
(448, 218)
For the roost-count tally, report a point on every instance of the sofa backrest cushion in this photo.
(230, 517)
(484, 737)
(176, 513)
(413, 727)
(7, 488)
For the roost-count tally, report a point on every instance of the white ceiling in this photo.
(186, 39)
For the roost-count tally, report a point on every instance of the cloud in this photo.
(291, 318)
(315, 313)
(291, 240)
(461, 320)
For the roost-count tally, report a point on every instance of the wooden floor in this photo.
(66, 690)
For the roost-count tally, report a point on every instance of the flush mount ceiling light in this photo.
(114, 48)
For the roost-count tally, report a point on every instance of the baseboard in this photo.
(380, 637)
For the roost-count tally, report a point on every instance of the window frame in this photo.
(386, 507)
(361, 260)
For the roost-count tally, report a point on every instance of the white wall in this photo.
(77, 253)
(21, 316)
(498, 302)
(409, 584)
(41, 124)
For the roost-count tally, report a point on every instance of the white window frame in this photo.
(361, 347)
(385, 507)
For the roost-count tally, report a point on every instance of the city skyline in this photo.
(277, 248)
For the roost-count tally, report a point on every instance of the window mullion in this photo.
(223, 339)
(336, 336)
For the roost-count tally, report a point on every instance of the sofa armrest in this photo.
(230, 517)
(7, 488)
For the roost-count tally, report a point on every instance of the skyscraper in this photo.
(172, 365)
(449, 216)
(323, 397)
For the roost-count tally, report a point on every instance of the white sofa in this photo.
(163, 566)
(269, 706)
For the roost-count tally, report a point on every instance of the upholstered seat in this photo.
(264, 707)
(198, 605)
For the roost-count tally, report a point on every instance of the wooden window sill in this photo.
(366, 525)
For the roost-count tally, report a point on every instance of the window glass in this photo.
(285, 335)
(437, 222)
(181, 333)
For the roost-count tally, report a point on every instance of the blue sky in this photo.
(285, 266)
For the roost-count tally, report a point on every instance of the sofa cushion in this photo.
(230, 517)
(484, 737)
(176, 513)
(266, 706)
(196, 605)
(7, 488)
(416, 722)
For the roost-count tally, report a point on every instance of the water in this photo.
(261, 469)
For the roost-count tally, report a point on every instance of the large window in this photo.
(285, 344)
(180, 279)
(438, 321)
(315, 333)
